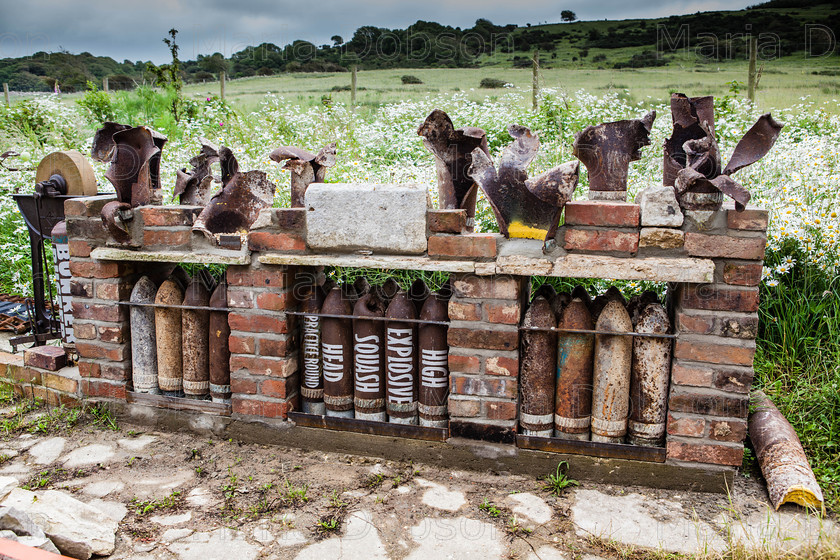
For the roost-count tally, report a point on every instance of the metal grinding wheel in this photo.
(74, 167)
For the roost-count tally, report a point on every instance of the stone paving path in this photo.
(232, 500)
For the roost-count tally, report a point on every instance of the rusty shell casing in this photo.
(781, 457)
(401, 385)
(362, 286)
(573, 396)
(168, 335)
(419, 293)
(195, 338)
(637, 303)
(337, 355)
(598, 304)
(434, 364)
(219, 345)
(581, 293)
(386, 291)
(312, 384)
(611, 375)
(559, 303)
(649, 378)
(144, 365)
(369, 359)
(536, 371)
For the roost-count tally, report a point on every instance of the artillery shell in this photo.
(386, 291)
(362, 286)
(611, 375)
(536, 372)
(573, 400)
(168, 336)
(545, 290)
(143, 345)
(369, 360)
(638, 302)
(401, 361)
(581, 293)
(434, 364)
(195, 329)
(312, 386)
(337, 355)
(219, 344)
(598, 304)
(649, 378)
(559, 303)
(418, 292)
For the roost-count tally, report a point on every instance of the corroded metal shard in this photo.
(755, 144)
(337, 355)
(434, 363)
(694, 119)
(369, 359)
(168, 337)
(135, 166)
(611, 375)
(312, 385)
(401, 360)
(143, 340)
(781, 457)
(607, 150)
(219, 344)
(237, 205)
(536, 370)
(649, 378)
(527, 208)
(305, 166)
(111, 215)
(195, 338)
(573, 394)
(194, 187)
(453, 150)
(102, 148)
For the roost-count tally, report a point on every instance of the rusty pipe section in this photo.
(219, 347)
(536, 372)
(611, 375)
(144, 367)
(194, 187)
(369, 359)
(434, 363)
(169, 339)
(337, 355)
(401, 360)
(573, 397)
(306, 168)
(195, 333)
(649, 378)
(312, 385)
(781, 457)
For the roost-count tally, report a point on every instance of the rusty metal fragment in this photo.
(573, 394)
(434, 363)
(527, 208)
(607, 150)
(195, 333)
(369, 359)
(116, 216)
(401, 360)
(143, 342)
(337, 355)
(168, 338)
(781, 457)
(306, 167)
(453, 150)
(103, 145)
(219, 344)
(312, 386)
(194, 187)
(611, 375)
(536, 370)
(237, 205)
(649, 378)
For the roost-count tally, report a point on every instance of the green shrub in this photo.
(492, 83)
(98, 105)
(409, 79)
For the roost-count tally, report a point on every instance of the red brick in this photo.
(32, 392)
(116, 372)
(686, 426)
(24, 375)
(743, 327)
(483, 339)
(100, 312)
(467, 245)
(703, 245)
(501, 410)
(710, 352)
(499, 365)
(74, 207)
(735, 406)
(113, 334)
(243, 385)
(89, 369)
(693, 376)
(459, 311)
(464, 408)
(266, 241)
(733, 380)
(168, 237)
(278, 388)
(95, 388)
(446, 221)
(240, 298)
(90, 229)
(602, 213)
(274, 367)
(98, 350)
(79, 248)
(84, 331)
(167, 216)
(291, 219)
(56, 398)
(601, 240)
(706, 453)
(242, 344)
(742, 274)
(82, 269)
(274, 348)
(699, 324)
(728, 430)
(754, 219)
(45, 357)
(490, 287)
(261, 278)
(60, 383)
(86, 206)
(272, 301)
(257, 323)
(113, 291)
(464, 364)
(504, 313)
(81, 288)
(483, 386)
(254, 407)
(717, 298)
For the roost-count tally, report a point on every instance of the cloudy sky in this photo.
(133, 29)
